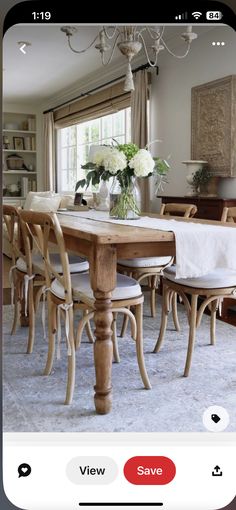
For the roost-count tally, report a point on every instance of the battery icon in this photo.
(214, 15)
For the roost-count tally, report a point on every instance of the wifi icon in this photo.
(196, 15)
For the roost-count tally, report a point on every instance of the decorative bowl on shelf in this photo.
(14, 162)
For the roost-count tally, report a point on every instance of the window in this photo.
(74, 144)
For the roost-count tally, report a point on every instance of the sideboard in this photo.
(209, 208)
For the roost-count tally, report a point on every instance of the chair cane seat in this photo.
(126, 287)
(145, 262)
(77, 264)
(218, 279)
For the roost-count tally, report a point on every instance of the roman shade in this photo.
(104, 102)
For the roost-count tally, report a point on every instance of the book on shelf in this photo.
(31, 124)
(28, 143)
(24, 186)
(33, 185)
(33, 143)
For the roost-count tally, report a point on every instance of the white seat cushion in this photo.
(145, 262)
(21, 265)
(126, 287)
(77, 264)
(217, 279)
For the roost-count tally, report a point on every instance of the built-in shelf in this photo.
(19, 131)
(19, 172)
(16, 150)
(13, 197)
(22, 137)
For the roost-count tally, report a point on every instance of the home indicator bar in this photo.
(121, 504)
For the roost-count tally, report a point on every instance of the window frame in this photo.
(126, 134)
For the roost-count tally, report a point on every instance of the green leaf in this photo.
(80, 184)
(88, 166)
(161, 166)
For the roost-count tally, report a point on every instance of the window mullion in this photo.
(73, 144)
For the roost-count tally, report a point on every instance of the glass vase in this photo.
(125, 201)
(103, 197)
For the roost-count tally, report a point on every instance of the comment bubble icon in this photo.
(24, 470)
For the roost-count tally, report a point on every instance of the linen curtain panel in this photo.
(49, 152)
(139, 126)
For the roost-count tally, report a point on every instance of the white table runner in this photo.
(200, 248)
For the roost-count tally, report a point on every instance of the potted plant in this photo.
(201, 179)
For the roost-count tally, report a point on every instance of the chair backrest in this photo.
(229, 214)
(41, 228)
(185, 210)
(11, 220)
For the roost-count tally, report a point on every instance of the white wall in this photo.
(170, 118)
(31, 109)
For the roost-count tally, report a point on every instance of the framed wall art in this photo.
(18, 143)
(213, 125)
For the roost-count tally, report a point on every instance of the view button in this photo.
(149, 470)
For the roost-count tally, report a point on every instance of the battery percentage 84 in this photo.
(214, 15)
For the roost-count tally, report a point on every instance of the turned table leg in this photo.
(103, 280)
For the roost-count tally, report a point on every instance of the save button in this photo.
(149, 470)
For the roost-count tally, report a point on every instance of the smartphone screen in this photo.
(119, 243)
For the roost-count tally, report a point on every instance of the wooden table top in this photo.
(102, 232)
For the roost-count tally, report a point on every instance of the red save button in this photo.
(149, 470)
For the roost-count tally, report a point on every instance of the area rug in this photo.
(33, 402)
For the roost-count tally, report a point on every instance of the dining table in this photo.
(103, 243)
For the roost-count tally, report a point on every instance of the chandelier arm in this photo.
(85, 49)
(158, 34)
(112, 52)
(152, 64)
(142, 30)
(173, 54)
(110, 36)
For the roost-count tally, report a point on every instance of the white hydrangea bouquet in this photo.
(124, 162)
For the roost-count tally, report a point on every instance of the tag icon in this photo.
(215, 418)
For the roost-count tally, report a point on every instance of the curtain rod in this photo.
(140, 68)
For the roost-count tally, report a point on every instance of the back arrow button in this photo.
(23, 45)
(22, 48)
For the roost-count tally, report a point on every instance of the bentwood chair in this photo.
(152, 267)
(229, 214)
(67, 292)
(27, 275)
(213, 287)
(22, 280)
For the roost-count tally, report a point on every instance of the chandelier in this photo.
(130, 40)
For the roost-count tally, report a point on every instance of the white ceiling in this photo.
(49, 66)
